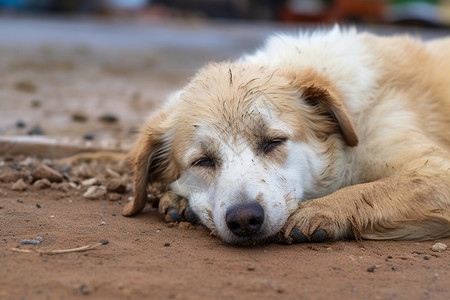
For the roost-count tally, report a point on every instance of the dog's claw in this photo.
(174, 215)
(298, 237)
(189, 215)
(319, 236)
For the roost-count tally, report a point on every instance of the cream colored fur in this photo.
(364, 125)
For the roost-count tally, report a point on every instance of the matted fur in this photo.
(358, 128)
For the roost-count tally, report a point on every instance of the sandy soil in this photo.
(65, 89)
(137, 263)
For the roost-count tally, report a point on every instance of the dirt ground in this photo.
(90, 93)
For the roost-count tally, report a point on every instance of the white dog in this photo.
(319, 136)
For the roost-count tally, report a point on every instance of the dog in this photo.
(329, 135)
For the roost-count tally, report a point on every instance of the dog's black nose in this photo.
(245, 219)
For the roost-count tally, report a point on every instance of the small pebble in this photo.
(113, 197)
(31, 242)
(10, 175)
(21, 124)
(426, 258)
(251, 268)
(45, 172)
(166, 244)
(79, 117)
(38, 205)
(19, 201)
(84, 290)
(19, 185)
(103, 223)
(104, 242)
(42, 184)
(39, 238)
(36, 130)
(36, 103)
(108, 118)
(111, 173)
(88, 137)
(25, 86)
(95, 192)
(116, 185)
(439, 247)
(90, 182)
(372, 268)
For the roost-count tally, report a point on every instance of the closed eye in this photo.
(273, 144)
(204, 162)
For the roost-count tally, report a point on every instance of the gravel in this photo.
(95, 192)
(19, 185)
(43, 171)
(439, 247)
(42, 184)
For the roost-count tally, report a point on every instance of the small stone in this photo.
(102, 223)
(21, 124)
(38, 205)
(439, 247)
(74, 185)
(417, 252)
(36, 130)
(11, 175)
(31, 242)
(104, 242)
(42, 184)
(84, 290)
(113, 197)
(36, 103)
(111, 173)
(39, 238)
(19, 201)
(79, 117)
(166, 244)
(251, 268)
(95, 192)
(90, 182)
(108, 118)
(426, 258)
(63, 186)
(372, 268)
(19, 185)
(44, 171)
(88, 137)
(115, 185)
(25, 86)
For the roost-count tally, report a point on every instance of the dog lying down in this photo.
(328, 135)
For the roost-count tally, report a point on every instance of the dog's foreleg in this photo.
(400, 207)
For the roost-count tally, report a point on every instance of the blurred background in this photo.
(90, 71)
(424, 12)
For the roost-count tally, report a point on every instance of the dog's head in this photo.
(244, 144)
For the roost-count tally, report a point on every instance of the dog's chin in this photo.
(257, 239)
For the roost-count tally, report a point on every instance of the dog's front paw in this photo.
(313, 223)
(176, 208)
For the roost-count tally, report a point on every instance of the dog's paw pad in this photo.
(298, 237)
(319, 236)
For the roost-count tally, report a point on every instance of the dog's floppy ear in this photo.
(325, 101)
(152, 159)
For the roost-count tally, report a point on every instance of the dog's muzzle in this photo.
(245, 219)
